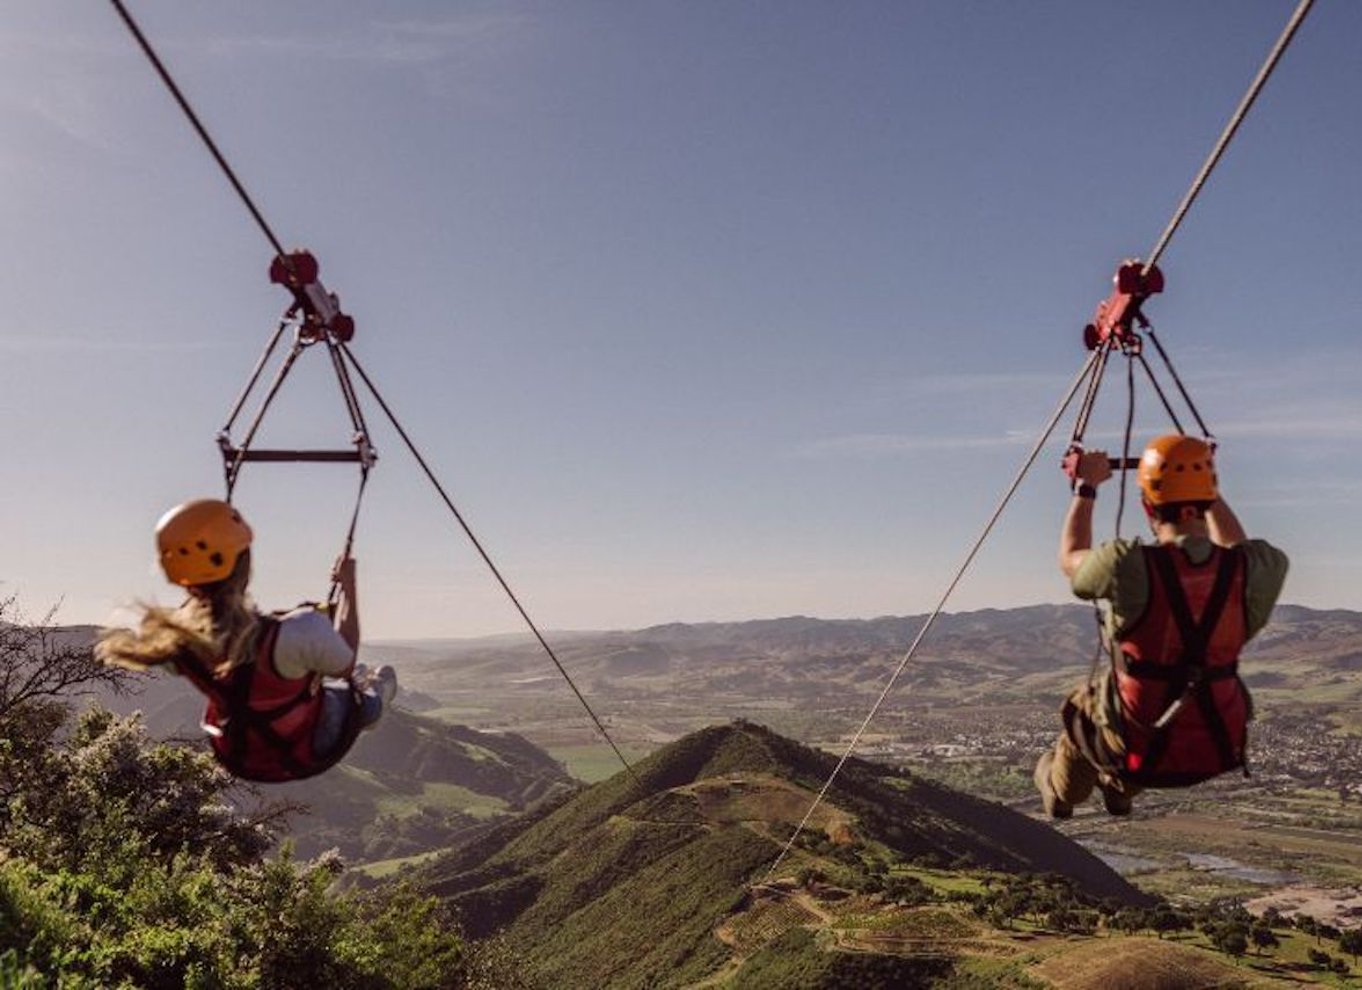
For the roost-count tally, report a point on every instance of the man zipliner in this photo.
(285, 698)
(1169, 710)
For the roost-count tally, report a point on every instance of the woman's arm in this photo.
(347, 603)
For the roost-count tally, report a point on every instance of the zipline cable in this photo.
(1092, 370)
(1236, 119)
(1125, 442)
(277, 383)
(486, 558)
(255, 376)
(285, 259)
(198, 126)
(1163, 398)
(1078, 381)
(1177, 380)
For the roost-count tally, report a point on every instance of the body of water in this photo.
(1233, 868)
(1127, 861)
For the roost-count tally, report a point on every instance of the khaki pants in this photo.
(1084, 752)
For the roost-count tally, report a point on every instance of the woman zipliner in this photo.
(285, 697)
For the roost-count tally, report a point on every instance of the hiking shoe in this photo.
(1054, 807)
(384, 684)
(1117, 801)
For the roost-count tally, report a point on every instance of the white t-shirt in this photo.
(308, 644)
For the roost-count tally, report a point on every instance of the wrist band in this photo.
(1085, 490)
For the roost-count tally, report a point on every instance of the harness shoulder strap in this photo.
(239, 714)
(1196, 636)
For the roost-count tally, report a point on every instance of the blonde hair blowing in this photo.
(217, 626)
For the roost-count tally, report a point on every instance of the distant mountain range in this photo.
(1021, 654)
(421, 781)
(625, 884)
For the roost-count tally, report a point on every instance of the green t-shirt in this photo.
(1115, 571)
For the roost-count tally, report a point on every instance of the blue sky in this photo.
(701, 310)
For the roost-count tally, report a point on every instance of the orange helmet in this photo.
(199, 542)
(1177, 468)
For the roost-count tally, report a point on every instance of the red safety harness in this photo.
(261, 723)
(1184, 711)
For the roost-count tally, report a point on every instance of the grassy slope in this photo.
(656, 929)
(414, 783)
(1142, 963)
(796, 961)
(625, 884)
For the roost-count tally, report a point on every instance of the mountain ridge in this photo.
(626, 882)
(1031, 654)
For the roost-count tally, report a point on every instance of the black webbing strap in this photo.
(238, 710)
(243, 719)
(1196, 636)
(1150, 670)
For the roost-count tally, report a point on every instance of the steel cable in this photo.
(1177, 380)
(166, 78)
(255, 375)
(235, 468)
(1163, 398)
(950, 588)
(1231, 128)
(486, 557)
(1125, 443)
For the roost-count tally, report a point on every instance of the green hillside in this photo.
(415, 784)
(410, 785)
(626, 883)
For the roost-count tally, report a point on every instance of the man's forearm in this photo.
(1223, 525)
(1075, 539)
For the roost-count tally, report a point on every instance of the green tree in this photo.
(1351, 943)
(109, 785)
(1263, 937)
(127, 864)
(42, 668)
(1128, 920)
(1231, 938)
(1166, 919)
